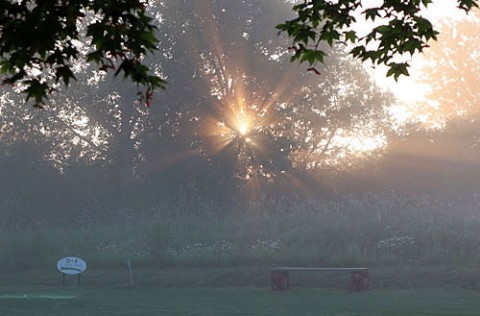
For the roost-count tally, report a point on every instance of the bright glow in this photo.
(362, 144)
(243, 128)
(355, 145)
(409, 90)
(238, 123)
(242, 124)
(245, 120)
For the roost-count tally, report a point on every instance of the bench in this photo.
(280, 276)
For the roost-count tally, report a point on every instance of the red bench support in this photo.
(359, 280)
(279, 279)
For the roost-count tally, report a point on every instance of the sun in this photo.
(242, 124)
(243, 128)
(234, 125)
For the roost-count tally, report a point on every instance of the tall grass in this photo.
(347, 231)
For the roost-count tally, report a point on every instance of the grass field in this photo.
(235, 301)
(423, 257)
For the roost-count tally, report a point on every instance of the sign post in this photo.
(71, 266)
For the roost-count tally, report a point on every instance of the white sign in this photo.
(71, 265)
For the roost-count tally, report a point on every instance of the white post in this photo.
(128, 262)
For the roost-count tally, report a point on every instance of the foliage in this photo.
(455, 83)
(398, 29)
(374, 230)
(41, 40)
(401, 246)
(93, 130)
(93, 156)
(345, 105)
(445, 154)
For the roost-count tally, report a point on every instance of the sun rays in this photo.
(247, 111)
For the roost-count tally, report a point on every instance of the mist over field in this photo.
(245, 162)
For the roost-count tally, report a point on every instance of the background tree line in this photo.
(96, 153)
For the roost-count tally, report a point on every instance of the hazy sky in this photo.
(407, 89)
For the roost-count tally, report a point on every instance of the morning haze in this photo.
(244, 163)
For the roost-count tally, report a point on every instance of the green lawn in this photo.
(235, 301)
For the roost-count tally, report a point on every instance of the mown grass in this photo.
(235, 301)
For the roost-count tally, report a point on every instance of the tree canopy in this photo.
(238, 124)
(40, 40)
(236, 117)
(398, 30)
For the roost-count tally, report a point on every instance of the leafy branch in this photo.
(403, 31)
(37, 43)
